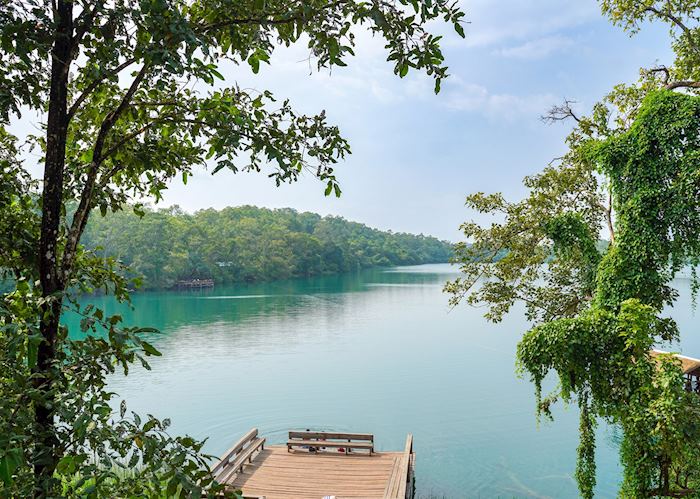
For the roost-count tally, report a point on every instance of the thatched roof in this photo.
(688, 364)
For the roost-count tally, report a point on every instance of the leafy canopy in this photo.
(131, 95)
(601, 355)
(246, 243)
(631, 173)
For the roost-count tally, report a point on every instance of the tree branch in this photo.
(81, 214)
(664, 70)
(260, 21)
(127, 138)
(677, 21)
(265, 21)
(83, 23)
(112, 117)
(608, 216)
(560, 112)
(90, 88)
(165, 119)
(682, 84)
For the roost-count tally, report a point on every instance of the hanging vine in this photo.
(632, 173)
(601, 356)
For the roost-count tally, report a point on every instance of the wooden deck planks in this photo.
(276, 474)
(401, 474)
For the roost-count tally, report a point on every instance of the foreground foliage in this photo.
(113, 85)
(633, 172)
(248, 244)
(601, 355)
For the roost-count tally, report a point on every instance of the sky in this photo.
(417, 155)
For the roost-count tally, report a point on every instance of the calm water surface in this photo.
(379, 352)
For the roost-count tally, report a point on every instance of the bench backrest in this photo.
(323, 435)
(234, 451)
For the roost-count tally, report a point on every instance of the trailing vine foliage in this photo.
(632, 172)
(129, 95)
(654, 171)
(601, 352)
(573, 241)
(585, 463)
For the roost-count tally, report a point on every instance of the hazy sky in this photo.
(417, 155)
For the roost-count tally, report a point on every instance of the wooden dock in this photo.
(316, 471)
(194, 283)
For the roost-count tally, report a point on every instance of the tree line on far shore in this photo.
(247, 243)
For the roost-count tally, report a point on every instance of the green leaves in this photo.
(541, 250)
(256, 57)
(603, 353)
(10, 460)
(598, 315)
(68, 465)
(150, 349)
(585, 462)
(33, 341)
(653, 169)
(332, 188)
(146, 103)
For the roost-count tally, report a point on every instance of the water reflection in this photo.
(377, 351)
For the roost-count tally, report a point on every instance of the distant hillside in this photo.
(247, 244)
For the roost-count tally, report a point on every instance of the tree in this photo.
(632, 173)
(113, 80)
(248, 244)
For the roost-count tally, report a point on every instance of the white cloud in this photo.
(538, 48)
(518, 29)
(524, 20)
(474, 98)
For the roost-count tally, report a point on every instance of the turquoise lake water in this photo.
(378, 352)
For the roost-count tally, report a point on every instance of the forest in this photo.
(247, 243)
(104, 104)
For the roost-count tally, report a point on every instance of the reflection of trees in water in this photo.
(236, 305)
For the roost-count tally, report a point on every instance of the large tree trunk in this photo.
(52, 282)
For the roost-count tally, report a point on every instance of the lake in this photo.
(379, 352)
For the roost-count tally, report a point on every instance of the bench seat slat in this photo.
(330, 443)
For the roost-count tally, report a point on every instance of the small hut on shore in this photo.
(194, 283)
(691, 370)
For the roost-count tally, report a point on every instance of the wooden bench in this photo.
(319, 439)
(242, 452)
